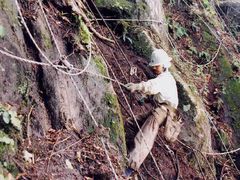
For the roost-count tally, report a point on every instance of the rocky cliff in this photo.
(64, 112)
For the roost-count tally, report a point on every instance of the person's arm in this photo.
(149, 87)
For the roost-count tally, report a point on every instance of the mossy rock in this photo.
(114, 121)
(226, 68)
(141, 42)
(231, 96)
(122, 7)
(99, 62)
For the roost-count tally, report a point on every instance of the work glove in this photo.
(132, 87)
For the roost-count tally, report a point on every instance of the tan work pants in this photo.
(144, 144)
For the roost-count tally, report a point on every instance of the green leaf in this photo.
(5, 139)
(15, 120)
(6, 117)
(2, 31)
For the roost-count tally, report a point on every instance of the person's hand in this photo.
(142, 100)
(131, 87)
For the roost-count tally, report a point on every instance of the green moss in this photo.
(114, 121)
(116, 4)
(100, 65)
(232, 98)
(84, 33)
(185, 100)
(209, 40)
(23, 88)
(141, 43)
(3, 4)
(226, 69)
(46, 40)
(10, 10)
(6, 144)
(111, 100)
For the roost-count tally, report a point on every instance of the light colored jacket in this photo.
(163, 88)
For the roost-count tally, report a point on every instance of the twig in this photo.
(28, 125)
(71, 145)
(199, 165)
(57, 142)
(149, 172)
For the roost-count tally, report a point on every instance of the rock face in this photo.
(53, 96)
(153, 11)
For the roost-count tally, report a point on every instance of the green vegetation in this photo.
(23, 88)
(84, 33)
(178, 29)
(6, 144)
(10, 124)
(46, 40)
(114, 121)
(2, 31)
(186, 101)
(10, 10)
(204, 55)
(10, 116)
(226, 70)
(100, 65)
(111, 100)
(141, 43)
(115, 4)
(232, 98)
(209, 39)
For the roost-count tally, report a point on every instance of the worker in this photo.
(164, 91)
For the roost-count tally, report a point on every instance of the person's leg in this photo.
(144, 144)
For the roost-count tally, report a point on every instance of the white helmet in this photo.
(160, 57)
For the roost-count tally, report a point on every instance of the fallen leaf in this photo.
(186, 107)
(69, 164)
(29, 157)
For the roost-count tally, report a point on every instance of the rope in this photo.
(23, 59)
(90, 112)
(128, 105)
(155, 162)
(85, 68)
(208, 115)
(58, 66)
(130, 20)
(50, 64)
(210, 153)
(49, 28)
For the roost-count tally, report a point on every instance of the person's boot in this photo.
(129, 172)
